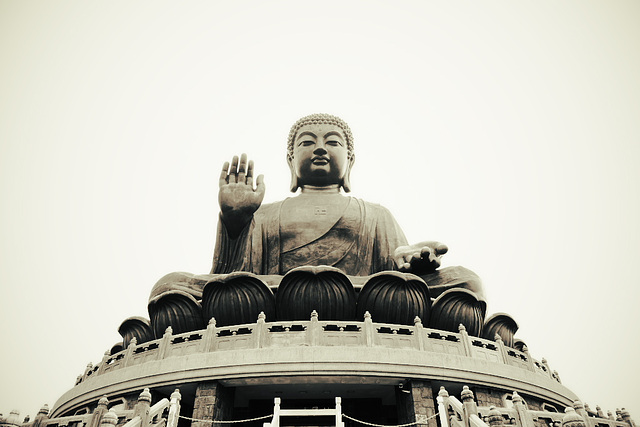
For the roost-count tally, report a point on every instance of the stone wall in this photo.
(417, 405)
(212, 402)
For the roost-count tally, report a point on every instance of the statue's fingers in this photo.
(250, 169)
(260, 187)
(441, 249)
(426, 252)
(224, 175)
(242, 168)
(233, 172)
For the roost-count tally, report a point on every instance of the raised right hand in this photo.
(237, 197)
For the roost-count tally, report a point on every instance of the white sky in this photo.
(508, 130)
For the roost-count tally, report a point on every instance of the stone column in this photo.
(416, 405)
(213, 402)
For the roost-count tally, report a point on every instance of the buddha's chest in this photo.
(304, 219)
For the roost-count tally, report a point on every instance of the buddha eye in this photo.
(333, 143)
(306, 143)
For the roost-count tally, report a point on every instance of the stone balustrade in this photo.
(315, 332)
(466, 413)
(143, 415)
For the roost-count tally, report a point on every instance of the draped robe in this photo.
(361, 242)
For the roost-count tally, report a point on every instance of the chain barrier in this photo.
(423, 421)
(227, 421)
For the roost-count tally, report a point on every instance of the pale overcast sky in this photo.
(508, 130)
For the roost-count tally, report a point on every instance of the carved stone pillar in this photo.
(415, 402)
(213, 402)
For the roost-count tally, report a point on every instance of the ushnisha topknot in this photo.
(320, 118)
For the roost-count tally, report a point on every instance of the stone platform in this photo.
(315, 359)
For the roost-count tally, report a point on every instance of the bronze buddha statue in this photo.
(319, 228)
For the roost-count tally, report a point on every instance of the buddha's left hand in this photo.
(421, 258)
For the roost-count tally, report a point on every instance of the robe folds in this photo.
(361, 242)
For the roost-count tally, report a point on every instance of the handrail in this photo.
(160, 406)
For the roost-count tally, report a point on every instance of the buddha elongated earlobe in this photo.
(294, 178)
(346, 181)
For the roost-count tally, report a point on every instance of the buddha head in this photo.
(320, 152)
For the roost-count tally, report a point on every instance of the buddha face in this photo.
(320, 155)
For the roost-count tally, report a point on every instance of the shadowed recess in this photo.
(177, 309)
(324, 289)
(394, 297)
(236, 299)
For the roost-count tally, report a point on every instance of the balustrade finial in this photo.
(44, 410)
(571, 418)
(443, 392)
(262, 317)
(494, 417)
(417, 321)
(314, 315)
(461, 328)
(516, 398)
(212, 322)
(497, 338)
(109, 419)
(367, 315)
(169, 330)
(466, 394)
(145, 395)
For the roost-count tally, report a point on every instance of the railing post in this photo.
(530, 363)
(610, 416)
(313, 331)
(443, 411)
(501, 348)
(42, 416)
(103, 363)
(87, 370)
(522, 415)
(466, 342)
(572, 419)
(368, 329)
(417, 322)
(165, 342)
(142, 408)
(626, 417)
(99, 412)
(339, 422)
(276, 412)
(110, 419)
(580, 410)
(174, 409)
(495, 417)
(261, 330)
(546, 365)
(128, 355)
(469, 406)
(209, 337)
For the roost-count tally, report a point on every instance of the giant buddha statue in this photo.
(320, 250)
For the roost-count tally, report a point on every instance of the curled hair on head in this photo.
(317, 119)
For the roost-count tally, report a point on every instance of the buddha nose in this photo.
(320, 151)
